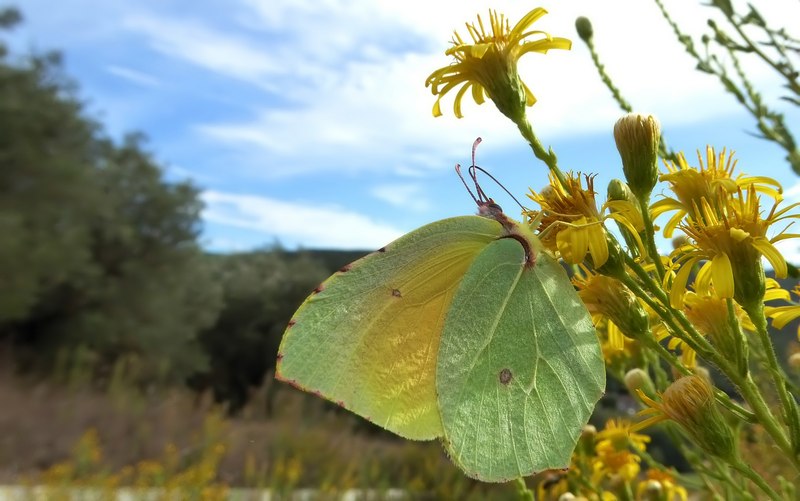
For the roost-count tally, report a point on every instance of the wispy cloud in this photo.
(404, 195)
(134, 76)
(294, 223)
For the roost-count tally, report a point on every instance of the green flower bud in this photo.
(638, 379)
(637, 138)
(584, 28)
(689, 401)
(618, 191)
(586, 441)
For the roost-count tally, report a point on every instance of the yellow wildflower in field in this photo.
(488, 65)
(670, 489)
(730, 237)
(693, 185)
(570, 222)
(618, 435)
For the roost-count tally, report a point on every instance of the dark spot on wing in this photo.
(396, 293)
(505, 376)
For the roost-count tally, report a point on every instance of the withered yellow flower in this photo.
(488, 65)
(689, 401)
(608, 297)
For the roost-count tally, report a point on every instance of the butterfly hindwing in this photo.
(519, 368)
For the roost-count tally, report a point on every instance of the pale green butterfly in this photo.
(465, 330)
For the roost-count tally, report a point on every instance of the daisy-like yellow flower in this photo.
(730, 240)
(618, 436)
(621, 464)
(488, 65)
(570, 222)
(670, 489)
(693, 185)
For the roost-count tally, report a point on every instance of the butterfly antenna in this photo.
(472, 172)
(481, 195)
(461, 177)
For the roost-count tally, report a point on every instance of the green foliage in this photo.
(98, 250)
(261, 290)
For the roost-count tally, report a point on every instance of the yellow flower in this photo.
(693, 185)
(570, 222)
(488, 66)
(782, 315)
(669, 487)
(730, 238)
(623, 464)
(618, 436)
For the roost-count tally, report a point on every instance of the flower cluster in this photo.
(661, 317)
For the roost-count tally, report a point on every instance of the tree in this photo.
(98, 250)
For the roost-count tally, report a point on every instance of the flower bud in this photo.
(689, 401)
(710, 315)
(794, 362)
(584, 28)
(615, 264)
(749, 281)
(622, 200)
(612, 299)
(586, 441)
(638, 379)
(650, 490)
(637, 138)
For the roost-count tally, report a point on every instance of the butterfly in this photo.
(464, 330)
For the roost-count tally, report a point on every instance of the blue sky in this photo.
(307, 123)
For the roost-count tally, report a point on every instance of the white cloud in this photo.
(372, 111)
(197, 43)
(403, 195)
(295, 223)
(134, 76)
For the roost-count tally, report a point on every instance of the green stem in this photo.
(746, 470)
(644, 206)
(523, 491)
(749, 390)
(546, 156)
(790, 414)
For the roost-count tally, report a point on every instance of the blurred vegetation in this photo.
(100, 260)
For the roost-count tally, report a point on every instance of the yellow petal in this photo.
(437, 110)
(678, 289)
(722, 275)
(598, 246)
(782, 315)
(527, 20)
(773, 256)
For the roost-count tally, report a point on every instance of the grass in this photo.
(77, 434)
